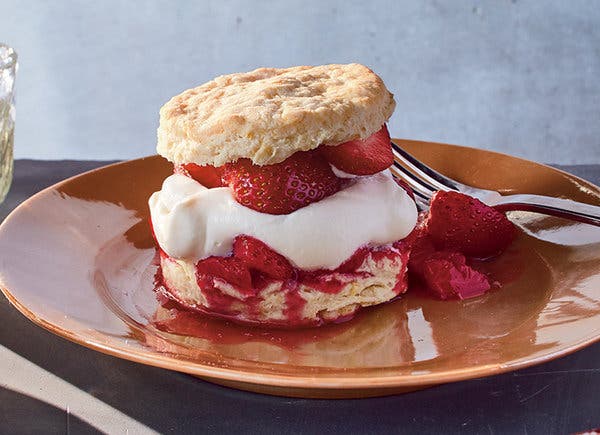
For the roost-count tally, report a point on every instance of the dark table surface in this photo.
(562, 396)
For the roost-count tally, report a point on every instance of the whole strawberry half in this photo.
(465, 224)
(256, 255)
(282, 188)
(362, 157)
(207, 175)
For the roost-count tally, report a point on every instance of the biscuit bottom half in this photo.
(310, 299)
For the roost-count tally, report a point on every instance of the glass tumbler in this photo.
(8, 70)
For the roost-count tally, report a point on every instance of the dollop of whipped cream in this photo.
(193, 222)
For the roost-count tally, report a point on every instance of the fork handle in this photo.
(565, 208)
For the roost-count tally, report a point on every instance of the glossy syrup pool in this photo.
(413, 329)
(90, 243)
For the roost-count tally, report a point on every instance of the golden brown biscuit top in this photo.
(268, 114)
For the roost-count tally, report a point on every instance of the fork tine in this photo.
(421, 190)
(414, 179)
(421, 204)
(434, 178)
(421, 200)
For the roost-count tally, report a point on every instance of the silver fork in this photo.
(424, 181)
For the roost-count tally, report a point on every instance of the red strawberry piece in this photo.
(207, 175)
(448, 276)
(354, 262)
(230, 269)
(258, 256)
(465, 224)
(323, 281)
(362, 157)
(422, 250)
(298, 181)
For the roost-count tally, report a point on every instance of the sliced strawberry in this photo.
(230, 269)
(324, 281)
(422, 250)
(355, 261)
(362, 157)
(260, 257)
(465, 224)
(448, 276)
(207, 175)
(298, 181)
(445, 273)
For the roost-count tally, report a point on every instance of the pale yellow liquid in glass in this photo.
(6, 147)
(8, 69)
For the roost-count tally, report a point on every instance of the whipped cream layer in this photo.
(193, 222)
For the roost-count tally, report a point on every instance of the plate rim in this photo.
(326, 381)
(298, 381)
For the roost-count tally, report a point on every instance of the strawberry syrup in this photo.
(221, 304)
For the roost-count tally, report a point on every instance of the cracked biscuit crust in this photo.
(268, 114)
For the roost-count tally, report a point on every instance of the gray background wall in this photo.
(518, 76)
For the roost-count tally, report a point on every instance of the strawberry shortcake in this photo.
(281, 209)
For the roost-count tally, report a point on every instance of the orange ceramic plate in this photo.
(77, 259)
